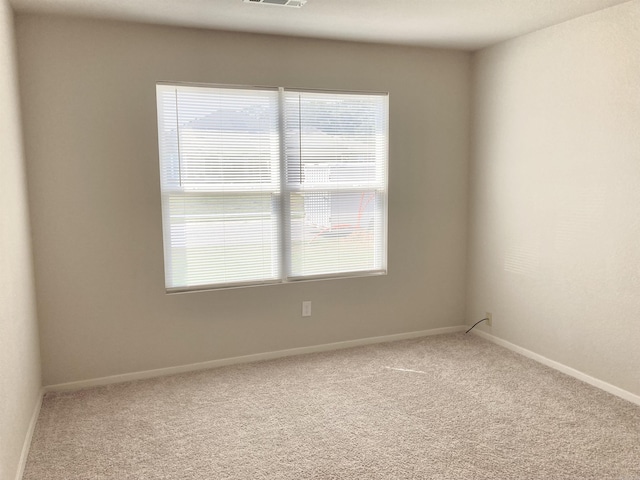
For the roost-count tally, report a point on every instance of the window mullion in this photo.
(284, 195)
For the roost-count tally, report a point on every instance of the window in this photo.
(268, 185)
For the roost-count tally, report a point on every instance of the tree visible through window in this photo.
(263, 185)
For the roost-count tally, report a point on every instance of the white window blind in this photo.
(336, 149)
(270, 185)
(219, 155)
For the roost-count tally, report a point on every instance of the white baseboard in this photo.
(26, 446)
(127, 377)
(602, 385)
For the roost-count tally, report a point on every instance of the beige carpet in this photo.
(450, 406)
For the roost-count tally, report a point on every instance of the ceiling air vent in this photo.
(280, 3)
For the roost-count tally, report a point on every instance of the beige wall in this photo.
(90, 133)
(555, 235)
(19, 350)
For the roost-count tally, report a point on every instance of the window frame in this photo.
(282, 195)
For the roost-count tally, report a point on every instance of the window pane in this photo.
(335, 140)
(217, 139)
(222, 239)
(336, 233)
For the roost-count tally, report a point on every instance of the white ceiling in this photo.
(465, 24)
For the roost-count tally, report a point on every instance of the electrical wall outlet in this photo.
(489, 318)
(306, 308)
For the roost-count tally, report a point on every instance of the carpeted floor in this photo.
(442, 407)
